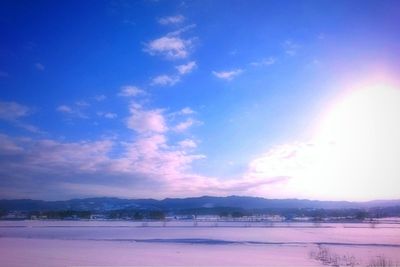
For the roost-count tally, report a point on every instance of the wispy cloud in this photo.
(39, 66)
(187, 143)
(290, 47)
(64, 109)
(82, 103)
(4, 74)
(171, 20)
(99, 98)
(110, 115)
(186, 111)
(130, 90)
(264, 62)
(8, 146)
(74, 111)
(13, 112)
(107, 115)
(182, 30)
(227, 75)
(184, 125)
(186, 68)
(165, 80)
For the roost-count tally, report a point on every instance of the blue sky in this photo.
(185, 98)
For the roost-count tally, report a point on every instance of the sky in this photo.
(155, 99)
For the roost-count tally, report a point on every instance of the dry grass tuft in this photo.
(326, 257)
(382, 261)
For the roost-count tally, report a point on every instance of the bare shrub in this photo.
(382, 261)
(326, 257)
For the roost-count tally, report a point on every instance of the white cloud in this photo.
(290, 47)
(186, 68)
(107, 115)
(183, 126)
(171, 20)
(145, 121)
(227, 75)
(181, 30)
(64, 109)
(39, 66)
(99, 98)
(73, 111)
(110, 115)
(82, 104)
(12, 110)
(186, 111)
(165, 80)
(147, 164)
(130, 90)
(264, 62)
(187, 143)
(169, 46)
(183, 112)
(353, 154)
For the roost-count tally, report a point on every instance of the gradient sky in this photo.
(278, 99)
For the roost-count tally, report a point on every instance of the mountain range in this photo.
(176, 204)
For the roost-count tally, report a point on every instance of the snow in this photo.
(123, 243)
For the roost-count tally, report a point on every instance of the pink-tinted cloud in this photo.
(142, 120)
(184, 125)
(14, 113)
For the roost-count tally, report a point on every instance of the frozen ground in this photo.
(113, 243)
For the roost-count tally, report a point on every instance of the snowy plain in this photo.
(183, 243)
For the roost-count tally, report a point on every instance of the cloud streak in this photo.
(171, 20)
(13, 113)
(164, 80)
(290, 47)
(227, 75)
(264, 62)
(73, 111)
(186, 68)
(130, 91)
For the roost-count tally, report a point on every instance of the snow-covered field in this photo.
(122, 243)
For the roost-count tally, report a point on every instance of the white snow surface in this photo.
(124, 243)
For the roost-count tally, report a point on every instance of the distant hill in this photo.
(179, 204)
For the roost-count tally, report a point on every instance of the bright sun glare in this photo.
(353, 155)
(358, 145)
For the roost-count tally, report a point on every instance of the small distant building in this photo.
(302, 219)
(208, 218)
(15, 215)
(179, 217)
(98, 217)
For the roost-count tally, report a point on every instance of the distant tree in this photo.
(223, 214)
(237, 214)
(361, 215)
(138, 216)
(156, 215)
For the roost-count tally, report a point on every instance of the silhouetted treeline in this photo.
(199, 205)
(313, 214)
